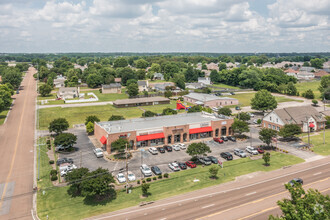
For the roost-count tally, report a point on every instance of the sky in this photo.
(217, 26)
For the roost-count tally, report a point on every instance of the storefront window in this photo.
(169, 139)
(223, 131)
(193, 136)
(142, 144)
(217, 132)
(184, 137)
(155, 142)
(177, 138)
(205, 134)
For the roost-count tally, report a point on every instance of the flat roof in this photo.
(158, 122)
(140, 100)
(203, 97)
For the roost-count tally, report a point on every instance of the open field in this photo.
(56, 203)
(313, 85)
(317, 142)
(220, 85)
(3, 116)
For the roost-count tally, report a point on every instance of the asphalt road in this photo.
(17, 153)
(246, 198)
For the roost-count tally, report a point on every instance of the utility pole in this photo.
(251, 137)
(324, 122)
(38, 128)
(126, 171)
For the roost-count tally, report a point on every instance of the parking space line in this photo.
(207, 206)
(250, 193)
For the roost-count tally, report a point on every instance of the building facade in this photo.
(123, 103)
(111, 88)
(143, 85)
(163, 130)
(68, 92)
(208, 100)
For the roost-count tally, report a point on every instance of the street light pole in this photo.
(126, 171)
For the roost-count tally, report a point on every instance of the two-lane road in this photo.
(17, 150)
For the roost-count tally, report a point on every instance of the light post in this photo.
(310, 126)
(127, 165)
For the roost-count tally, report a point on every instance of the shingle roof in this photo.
(140, 100)
(206, 97)
(298, 114)
(142, 83)
(111, 85)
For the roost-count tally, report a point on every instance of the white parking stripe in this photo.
(250, 193)
(204, 207)
(317, 173)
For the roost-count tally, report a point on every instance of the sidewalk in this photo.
(75, 105)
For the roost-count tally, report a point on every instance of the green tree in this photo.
(309, 94)
(145, 188)
(91, 118)
(222, 66)
(317, 63)
(325, 83)
(195, 108)
(198, 149)
(5, 96)
(326, 94)
(141, 64)
(65, 139)
(214, 172)
(58, 125)
(120, 62)
(244, 116)
(119, 144)
(214, 76)
(180, 83)
(45, 90)
(90, 127)
(290, 130)
(155, 68)
(266, 135)
(94, 80)
(169, 111)
(266, 158)
(148, 114)
(240, 126)
(116, 118)
(224, 111)
(133, 89)
(74, 178)
(13, 77)
(168, 93)
(314, 101)
(206, 90)
(303, 205)
(327, 123)
(263, 101)
(291, 89)
(130, 81)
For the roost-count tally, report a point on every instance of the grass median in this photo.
(3, 116)
(57, 204)
(317, 143)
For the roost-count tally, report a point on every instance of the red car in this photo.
(219, 140)
(191, 164)
(260, 150)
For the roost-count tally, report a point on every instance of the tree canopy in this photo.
(225, 111)
(65, 139)
(119, 144)
(198, 149)
(240, 126)
(266, 135)
(116, 118)
(290, 130)
(91, 118)
(58, 125)
(133, 89)
(263, 101)
(45, 90)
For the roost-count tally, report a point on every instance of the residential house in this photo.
(143, 85)
(320, 73)
(161, 87)
(49, 66)
(300, 115)
(304, 75)
(197, 85)
(307, 69)
(59, 81)
(212, 66)
(204, 80)
(207, 73)
(117, 80)
(111, 88)
(208, 100)
(68, 92)
(77, 66)
(158, 76)
(291, 72)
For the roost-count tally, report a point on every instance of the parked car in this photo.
(237, 108)
(182, 166)
(64, 170)
(226, 155)
(232, 138)
(218, 140)
(255, 121)
(224, 138)
(121, 178)
(239, 152)
(232, 93)
(260, 150)
(298, 180)
(153, 150)
(182, 146)
(174, 166)
(131, 176)
(251, 114)
(213, 159)
(64, 160)
(251, 150)
(176, 147)
(218, 94)
(205, 160)
(168, 148)
(190, 164)
(145, 170)
(156, 170)
(161, 149)
(98, 152)
(60, 148)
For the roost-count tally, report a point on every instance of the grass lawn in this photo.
(313, 85)
(220, 85)
(45, 167)
(108, 97)
(57, 204)
(50, 96)
(317, 142)
(3, 116)
(245, 98)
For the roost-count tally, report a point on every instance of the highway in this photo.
(247, 198)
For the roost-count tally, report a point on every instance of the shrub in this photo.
(154, 178)
(148, 179)
(53, 172)
(160, 177)
(51, 162)
(138, 182)
(53, 178)
(165, 175)
(143, 181)
(48, 142)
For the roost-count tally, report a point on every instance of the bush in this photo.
(160, 177)
(143, 181)
(48, 142)
(53, 178)
(138, 182)
(165, 175)
(53, 172)
(148, 179)
(154, 178)
(51, 162)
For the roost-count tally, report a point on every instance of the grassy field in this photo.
(3, 116)
(50, 96)
(245, 98)
(220, 85)
(313, 85)
(45, 167)
(317, 142)
(108, 97)
(57, 204)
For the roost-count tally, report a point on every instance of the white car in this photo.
(121, 178)
(67, 166)
(145, 170)
(153, 150)
(98, 152)
(131, 176)
(176, 147)
(68, 169)
(182, 146)
(239, 152)
(251, 150)
(174, 166)
(251, 114)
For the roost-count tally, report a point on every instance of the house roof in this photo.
(321, 73)
(117, 80)
(203, 97)
(142, 83)
(68, 89)
(111, 85)
(139, 100)
(291, 71)
(298, 114)
(306, 68)
(195, 85)
(158, 75)
(326, 113)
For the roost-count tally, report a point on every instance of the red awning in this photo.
(200, 130)
(311, 125)
(150, 137)
(103, 140)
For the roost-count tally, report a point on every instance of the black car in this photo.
(226, 155)
(168, 148)
(224, 138)
(232, 93)
(161, 149)
(213, 159)
(218, 94)
(296, 180)
(64, 160)
(156, 170)
(233, 139)
(182, 166)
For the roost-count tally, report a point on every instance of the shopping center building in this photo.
(161, 130)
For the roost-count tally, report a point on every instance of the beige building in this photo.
(111, 88)
(68, 92)
(208, 100)
(123, 103)
(143, 85)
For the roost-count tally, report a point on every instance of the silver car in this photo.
(239, 152)
(98, 152)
